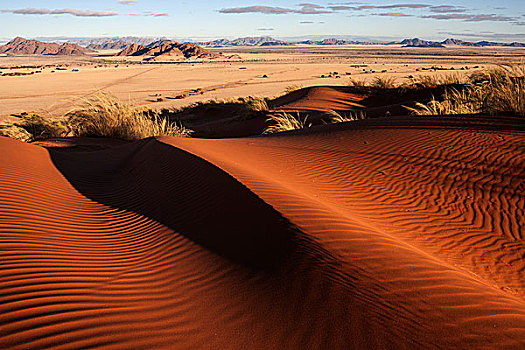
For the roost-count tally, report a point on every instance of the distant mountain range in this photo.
(416, 42)
(112, 45)
(451, 42)
(21, 46)
(159, 48)
(247, 41)
(86, 42)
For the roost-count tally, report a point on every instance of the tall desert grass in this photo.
(466, 101)
(503, 89)
(499, 90)
(104, 115)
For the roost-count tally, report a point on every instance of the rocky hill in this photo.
(166, 48)
(21, 46)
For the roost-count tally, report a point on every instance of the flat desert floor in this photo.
(62, 81)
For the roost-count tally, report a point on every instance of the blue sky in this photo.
(503, 20)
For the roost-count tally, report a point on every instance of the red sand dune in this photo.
(377, 104)
(319, 98)
(396, 233)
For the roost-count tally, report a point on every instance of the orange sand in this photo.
(395, 233)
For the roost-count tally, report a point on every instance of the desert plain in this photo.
(259, 71)
(372, 228)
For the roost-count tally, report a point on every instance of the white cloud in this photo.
(127, 2)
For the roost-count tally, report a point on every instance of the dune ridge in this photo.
(392, 233)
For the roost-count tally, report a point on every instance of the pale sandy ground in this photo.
(52, 92)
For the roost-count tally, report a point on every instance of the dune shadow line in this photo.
(186, 193)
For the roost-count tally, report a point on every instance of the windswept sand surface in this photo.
(397, 233)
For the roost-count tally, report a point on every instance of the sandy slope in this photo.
(398, 233)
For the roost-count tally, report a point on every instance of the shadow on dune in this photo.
(186, 193)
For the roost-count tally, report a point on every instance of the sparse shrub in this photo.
(104, 115)
(285, 122)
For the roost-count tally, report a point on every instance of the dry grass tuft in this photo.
(252, 107)
(285, 122)
(292, 88)
(503, 89)
(386, 82)
(243, 108)
(15, 132)
(256, 104)
(466, 101)
(104, 115)
(34, 127)
(493, 91)
(433, 81)
(336, 117)
(41, 128)
(357, 83)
